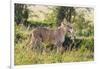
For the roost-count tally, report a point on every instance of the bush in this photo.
(20, 33)
(87, 44)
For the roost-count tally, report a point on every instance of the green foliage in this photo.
(82, 22)
(87, 44)
(21, 33)
(51, 17)
(41, 24)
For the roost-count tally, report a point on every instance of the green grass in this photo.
(23, 57)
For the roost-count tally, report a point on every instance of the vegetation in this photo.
(27, 17)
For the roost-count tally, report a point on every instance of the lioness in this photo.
(55, 37)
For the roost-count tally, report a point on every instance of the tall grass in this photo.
(25, 56)
(22, 56)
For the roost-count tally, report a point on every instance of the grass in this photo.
(23, 57)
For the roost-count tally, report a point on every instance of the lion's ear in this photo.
(64, 21)
(62, 24)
